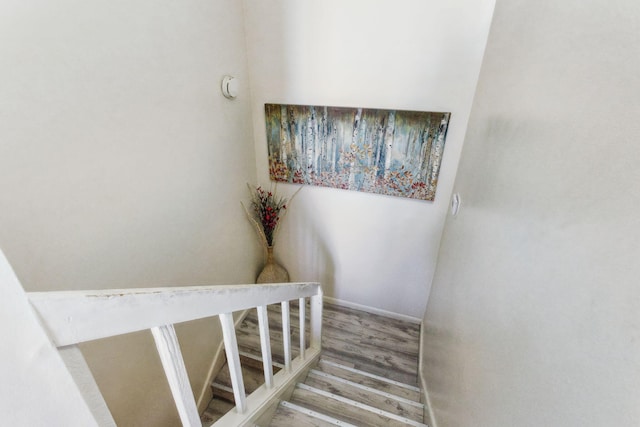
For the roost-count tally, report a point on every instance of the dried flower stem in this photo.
(257, 226)
(268, 212)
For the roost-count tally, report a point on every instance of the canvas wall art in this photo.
(391, 152)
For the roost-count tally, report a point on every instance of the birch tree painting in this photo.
(391, 152)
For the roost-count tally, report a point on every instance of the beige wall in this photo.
(534, 315)
(121, 165)
(421, 55)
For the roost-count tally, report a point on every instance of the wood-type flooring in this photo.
(367, 373)
(372, 343)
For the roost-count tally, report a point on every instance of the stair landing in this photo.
(372, 343)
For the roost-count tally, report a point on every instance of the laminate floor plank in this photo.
(339, 410)
(247, 339)
(365, 357)
(251, 345)
(404, 392)
(373, 320)
(376, 369)
(275, 317)
(382, 346)
(342, 362)
(286, 417)
(217, 409)
(383, 340)
(252, 377)
(366, 314)
(252, 326)
(387, 403)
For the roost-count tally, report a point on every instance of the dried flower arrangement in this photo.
(267, 211)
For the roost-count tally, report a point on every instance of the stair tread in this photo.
(275, 321)
(383, 355)
(250, 344)
(341, 411)
(367, 396)
(400, 343)
(287, 417)
(252, 377)
(377, 344)
(374, 322)
(369, 358)
(343, 371)
(217, 409)
(250, 326)
(274, 313)
(255, 360)
(276, 309)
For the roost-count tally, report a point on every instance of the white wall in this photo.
(121, 165)
(409, 54)
(534, 315)
(37, 388)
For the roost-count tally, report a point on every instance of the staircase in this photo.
(367, 374)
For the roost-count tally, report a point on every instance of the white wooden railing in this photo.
(72, 317)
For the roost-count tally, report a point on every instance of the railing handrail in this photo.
(73, 317)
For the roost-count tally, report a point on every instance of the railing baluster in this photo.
(303, 306)
(171, 358)
(316, 320)
(265, 344)
(233, 360)
(79, 370)
(110, 312)
(286, 335)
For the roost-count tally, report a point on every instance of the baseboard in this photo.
(372, 310)
(429, 417)
(216, 365)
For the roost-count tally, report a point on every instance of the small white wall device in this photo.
(455, 204)
(230, 87)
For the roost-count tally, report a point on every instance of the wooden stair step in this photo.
(255, 361)
(370, 380)
(275, 320)
(366, 395)
(250, 326)
(223, 392)
(223, 398)
(289, 414)
(347, 410)
(394, 344)
(367, 374)
(274, 314)
(369, 358)
(274, 311)
(386, 325)
(250, 343)
(252, 378)
(217, 409)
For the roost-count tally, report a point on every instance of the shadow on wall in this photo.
(305, 252)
